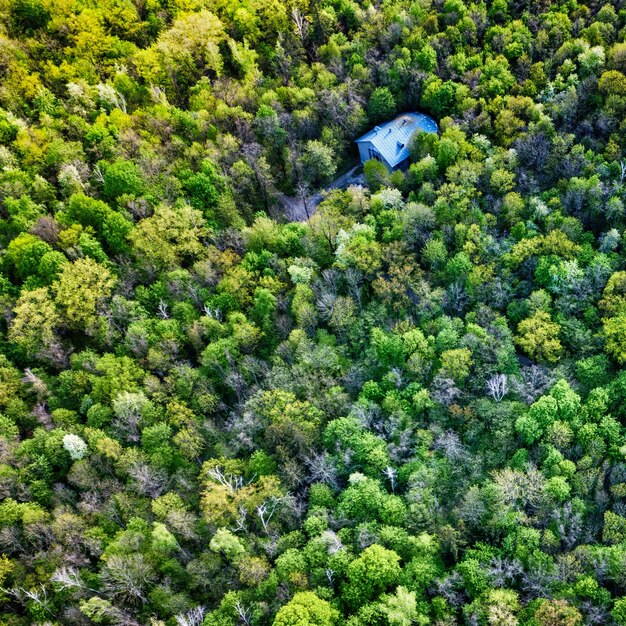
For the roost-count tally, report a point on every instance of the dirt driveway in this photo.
(301, 209)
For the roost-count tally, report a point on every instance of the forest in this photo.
(406, 410)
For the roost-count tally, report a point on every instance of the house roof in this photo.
(391, 138)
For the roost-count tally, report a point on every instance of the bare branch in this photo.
(498, 387)
(192, 617)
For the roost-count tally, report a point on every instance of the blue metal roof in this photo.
(391, 138)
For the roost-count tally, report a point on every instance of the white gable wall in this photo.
(366, 149)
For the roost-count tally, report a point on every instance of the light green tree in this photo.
(371, 574)
(306, 609)
(538, 336)
(80, 290)
(36, 319)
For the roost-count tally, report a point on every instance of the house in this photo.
(389, 142)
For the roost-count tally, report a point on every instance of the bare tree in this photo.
(333, 543)
(448, 588)
(354, 278)
(444, 390)
(449, 443)
(390, 474)
(36, 596)
(265, 512)
(214, 314)
(128, 578)
(535, 381)
(148, 480)
(498, 387)
(301, 24)
(37, 385)
(244, 613)
(98, 175)
(503, 572)
(184, 523)
(193, 617)
(67, 578)
(162, 310)
(46, 228)
(322, 468)
(42, 415)
(330, 576)
(325, 304)
(232, 482)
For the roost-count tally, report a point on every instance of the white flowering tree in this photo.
(75, 445)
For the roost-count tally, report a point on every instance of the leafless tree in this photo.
(240, 522)
(396, 376)
(47, 228)
(237, 382)
(265, 512)
(37, 385)
(36, 596)
(148, 480)
(456, 298)
(391, 475)
(504, 572)
(330, 279)
(333, 543)
(214, 314)
(162, 310)
(42, 415)
(301, 25)
(39, 535)
(183, 523)
(354, 279)
(444, 390)
(325, 304)
(232, 482)
(498, 386)
(158, 94)
(322, 468)
(98, 175)
(449, 443)
(369, 415)
(127, 578)
(595, 614)
(448, 588)
(244, 613)
(11, 540)
(303, 192)
(56, 354)
(330, 576)
(569, 524)
(535, 381)
(521, 490)
(537, 581)
(69, 578)
(193, 617)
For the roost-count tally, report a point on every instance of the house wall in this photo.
(364, 153)
(364, 148)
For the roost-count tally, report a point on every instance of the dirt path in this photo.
(301, 209)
